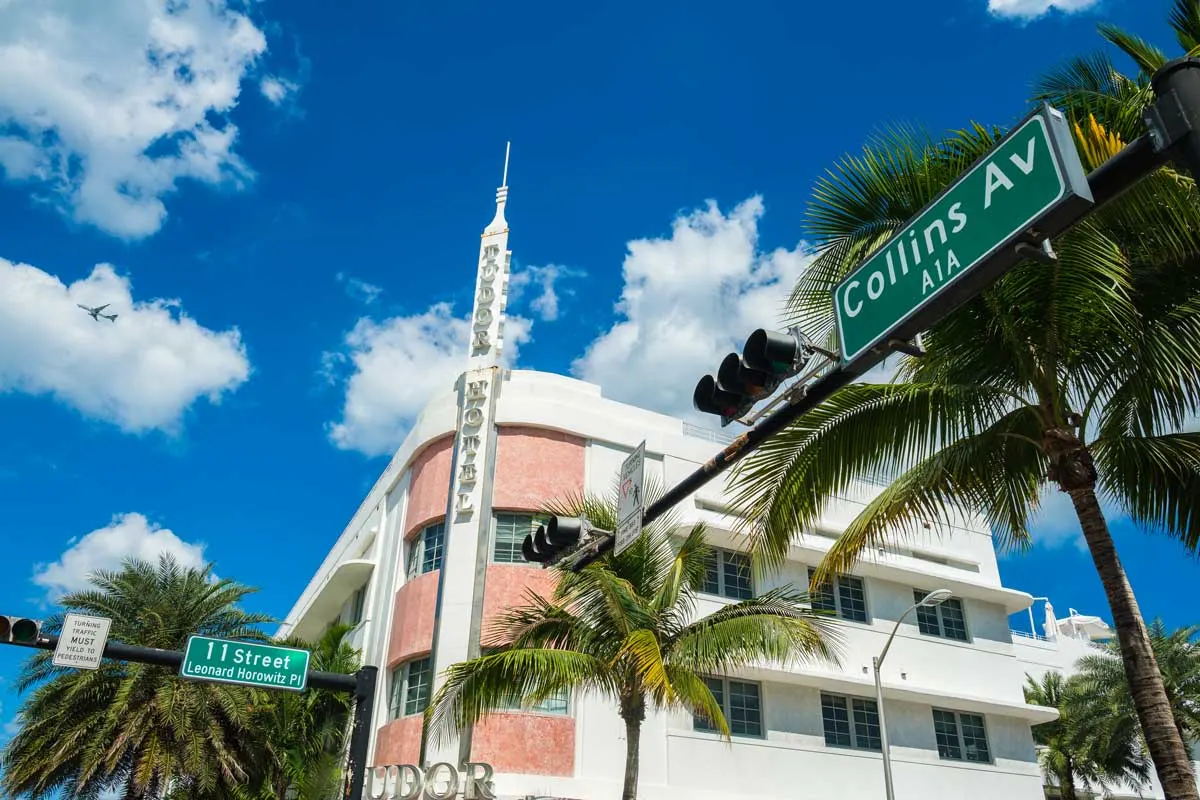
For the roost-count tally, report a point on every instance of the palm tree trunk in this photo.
(633, 711)
(1170, 757)
(1066, 783)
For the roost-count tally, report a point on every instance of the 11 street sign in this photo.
(245, 663)
(1031, 184)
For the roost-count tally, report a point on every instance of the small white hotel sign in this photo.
(81, 643)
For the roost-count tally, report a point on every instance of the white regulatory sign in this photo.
(81, 643)
(631, 504)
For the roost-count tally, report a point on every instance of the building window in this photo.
(728, 575)
(961, 736)
(741, 703)
(425, 552)
(511, 530)
(846, 596)
(411, 683)
(837, 712)
(945, 619)
(357, 604)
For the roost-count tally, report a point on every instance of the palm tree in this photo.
(136, 729)
(1072, 751)
(1076, 376)
(1105, 698)
(624, 628)
(304, 735)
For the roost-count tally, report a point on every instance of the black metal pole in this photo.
(335, 681)
(1175, 117)
(360, 734)
(738, 449)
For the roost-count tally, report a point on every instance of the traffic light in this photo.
(19, 630)
(555, 537)
(769, 358)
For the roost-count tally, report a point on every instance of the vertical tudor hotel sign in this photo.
(470, 439)
(487, 324)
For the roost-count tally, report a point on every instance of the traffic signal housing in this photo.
(552, 539)
(768, 359)
(19, 630)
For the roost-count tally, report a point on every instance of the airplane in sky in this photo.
(96, 315)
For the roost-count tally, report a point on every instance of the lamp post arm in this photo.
(896, 627)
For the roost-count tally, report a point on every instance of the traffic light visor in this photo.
(25, 631)
(563, 532)
(19, 630)
(711, 399)
(736, 378)
(770, 351)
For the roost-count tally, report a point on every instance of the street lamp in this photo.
(936, 597)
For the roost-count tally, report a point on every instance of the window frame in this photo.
(358, 605)
(494, 538)
(835, 592)
(722, 695)
(918, 595)
(960, 738)
(853, 723)
(401, 677)
(721, 554)
(417, 546)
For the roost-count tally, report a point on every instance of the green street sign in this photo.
(246, 663)
(1029, 186)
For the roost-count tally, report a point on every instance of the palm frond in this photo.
(1157, 479)
(863, 431)
(474, 688)
(997, 473)
(1148, 57)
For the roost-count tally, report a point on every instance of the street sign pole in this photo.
(360, 733)
(361, 684)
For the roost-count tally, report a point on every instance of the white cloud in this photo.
(1032, 9)
(1056, 524)
(396, 366)
(140, 372)
(109, 105)
(546, 303)
(359, 289)
(687, 301)
(127, 536)
(277, 89)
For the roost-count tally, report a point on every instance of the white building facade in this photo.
(432, 557)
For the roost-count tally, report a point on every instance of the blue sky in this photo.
(288, 199)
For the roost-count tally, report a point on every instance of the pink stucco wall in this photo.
(505, 588)
(399, 741)
(535, 465)
(429, 488)
(526, 743)
(412, 620)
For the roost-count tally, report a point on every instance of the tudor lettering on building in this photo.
(440, 781)
(485, 299)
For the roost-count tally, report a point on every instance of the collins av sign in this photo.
(441, 781)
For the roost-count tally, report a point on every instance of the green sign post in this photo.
(247, 663)
(1030, 182)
